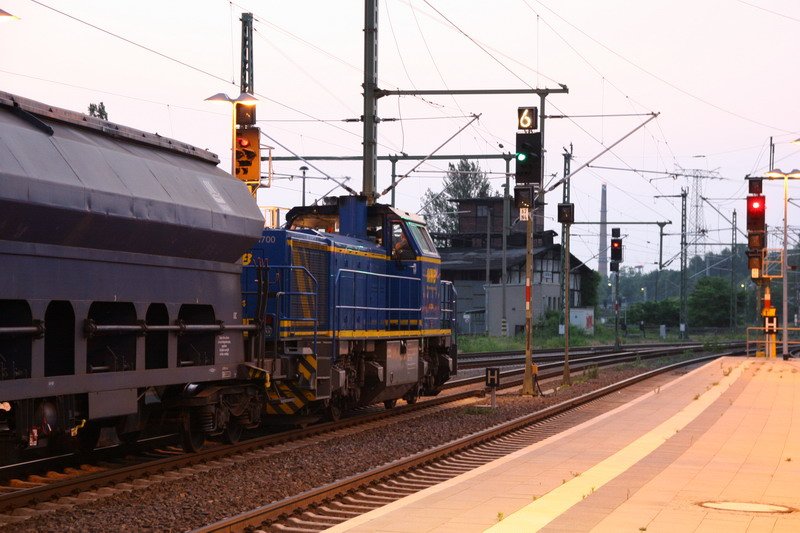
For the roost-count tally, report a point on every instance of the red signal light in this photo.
(756, 208)
(241, 141)
(755, 203)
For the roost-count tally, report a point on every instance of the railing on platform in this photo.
(759, 345)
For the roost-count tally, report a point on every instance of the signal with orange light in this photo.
(248, 155)
(616, 250)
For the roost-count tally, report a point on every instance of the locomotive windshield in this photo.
(422, 237)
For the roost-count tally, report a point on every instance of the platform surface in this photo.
(728, 431)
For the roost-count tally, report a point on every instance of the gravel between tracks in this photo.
(246, 483)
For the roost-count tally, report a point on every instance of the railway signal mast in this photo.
(526, 191)
(616, 259)
(757, 259)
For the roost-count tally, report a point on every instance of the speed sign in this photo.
(527, 118)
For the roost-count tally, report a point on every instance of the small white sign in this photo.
(524, 214)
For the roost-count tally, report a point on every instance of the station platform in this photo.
(725, 434)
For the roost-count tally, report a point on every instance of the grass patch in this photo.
(475, 410)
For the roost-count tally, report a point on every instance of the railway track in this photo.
(326, 506)
(515, 357)
(46, 486)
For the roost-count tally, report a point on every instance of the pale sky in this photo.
(723, 74)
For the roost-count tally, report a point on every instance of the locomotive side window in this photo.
(317, 221)
(375, 230)
(59, 339)
(401, 247)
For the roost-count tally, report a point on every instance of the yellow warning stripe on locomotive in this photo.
(359, 334)
(285, 398)
(348, 251)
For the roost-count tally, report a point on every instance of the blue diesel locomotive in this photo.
(352, 306)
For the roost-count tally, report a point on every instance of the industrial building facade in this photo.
(477, 270)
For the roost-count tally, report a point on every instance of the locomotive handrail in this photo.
(448, 314)
(280, 315)
(335, 327)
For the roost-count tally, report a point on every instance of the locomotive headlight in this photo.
(268, 331)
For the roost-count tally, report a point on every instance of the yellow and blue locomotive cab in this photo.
(352, 308)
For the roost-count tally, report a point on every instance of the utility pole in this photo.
(660, 254)
(616, 311)
(488, 257)
(733, 268)
(564, 238)
(246, 80)
(565, 229)
(304, 169)
(684, 313)
(506, 227)
(684, 328)
(394, 175)
(370, 117)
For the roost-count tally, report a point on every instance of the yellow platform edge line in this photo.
(550, 506)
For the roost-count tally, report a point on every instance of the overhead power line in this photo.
(662, 80)
(134, 43)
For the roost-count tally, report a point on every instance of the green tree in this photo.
(589, 289)
(652, 313)
(465, 180)
(709, 303)
(98, 110)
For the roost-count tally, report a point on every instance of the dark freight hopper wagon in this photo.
(118, 274)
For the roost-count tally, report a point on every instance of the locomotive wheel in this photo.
(88, 436)
(192, 440)
(334, 411)
(389, 404)
(412, 396)
(233, 431)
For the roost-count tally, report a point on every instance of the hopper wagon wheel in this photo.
(193, 439)
(88, 436)
(389, 404)
(233, 431)
(130, 438)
